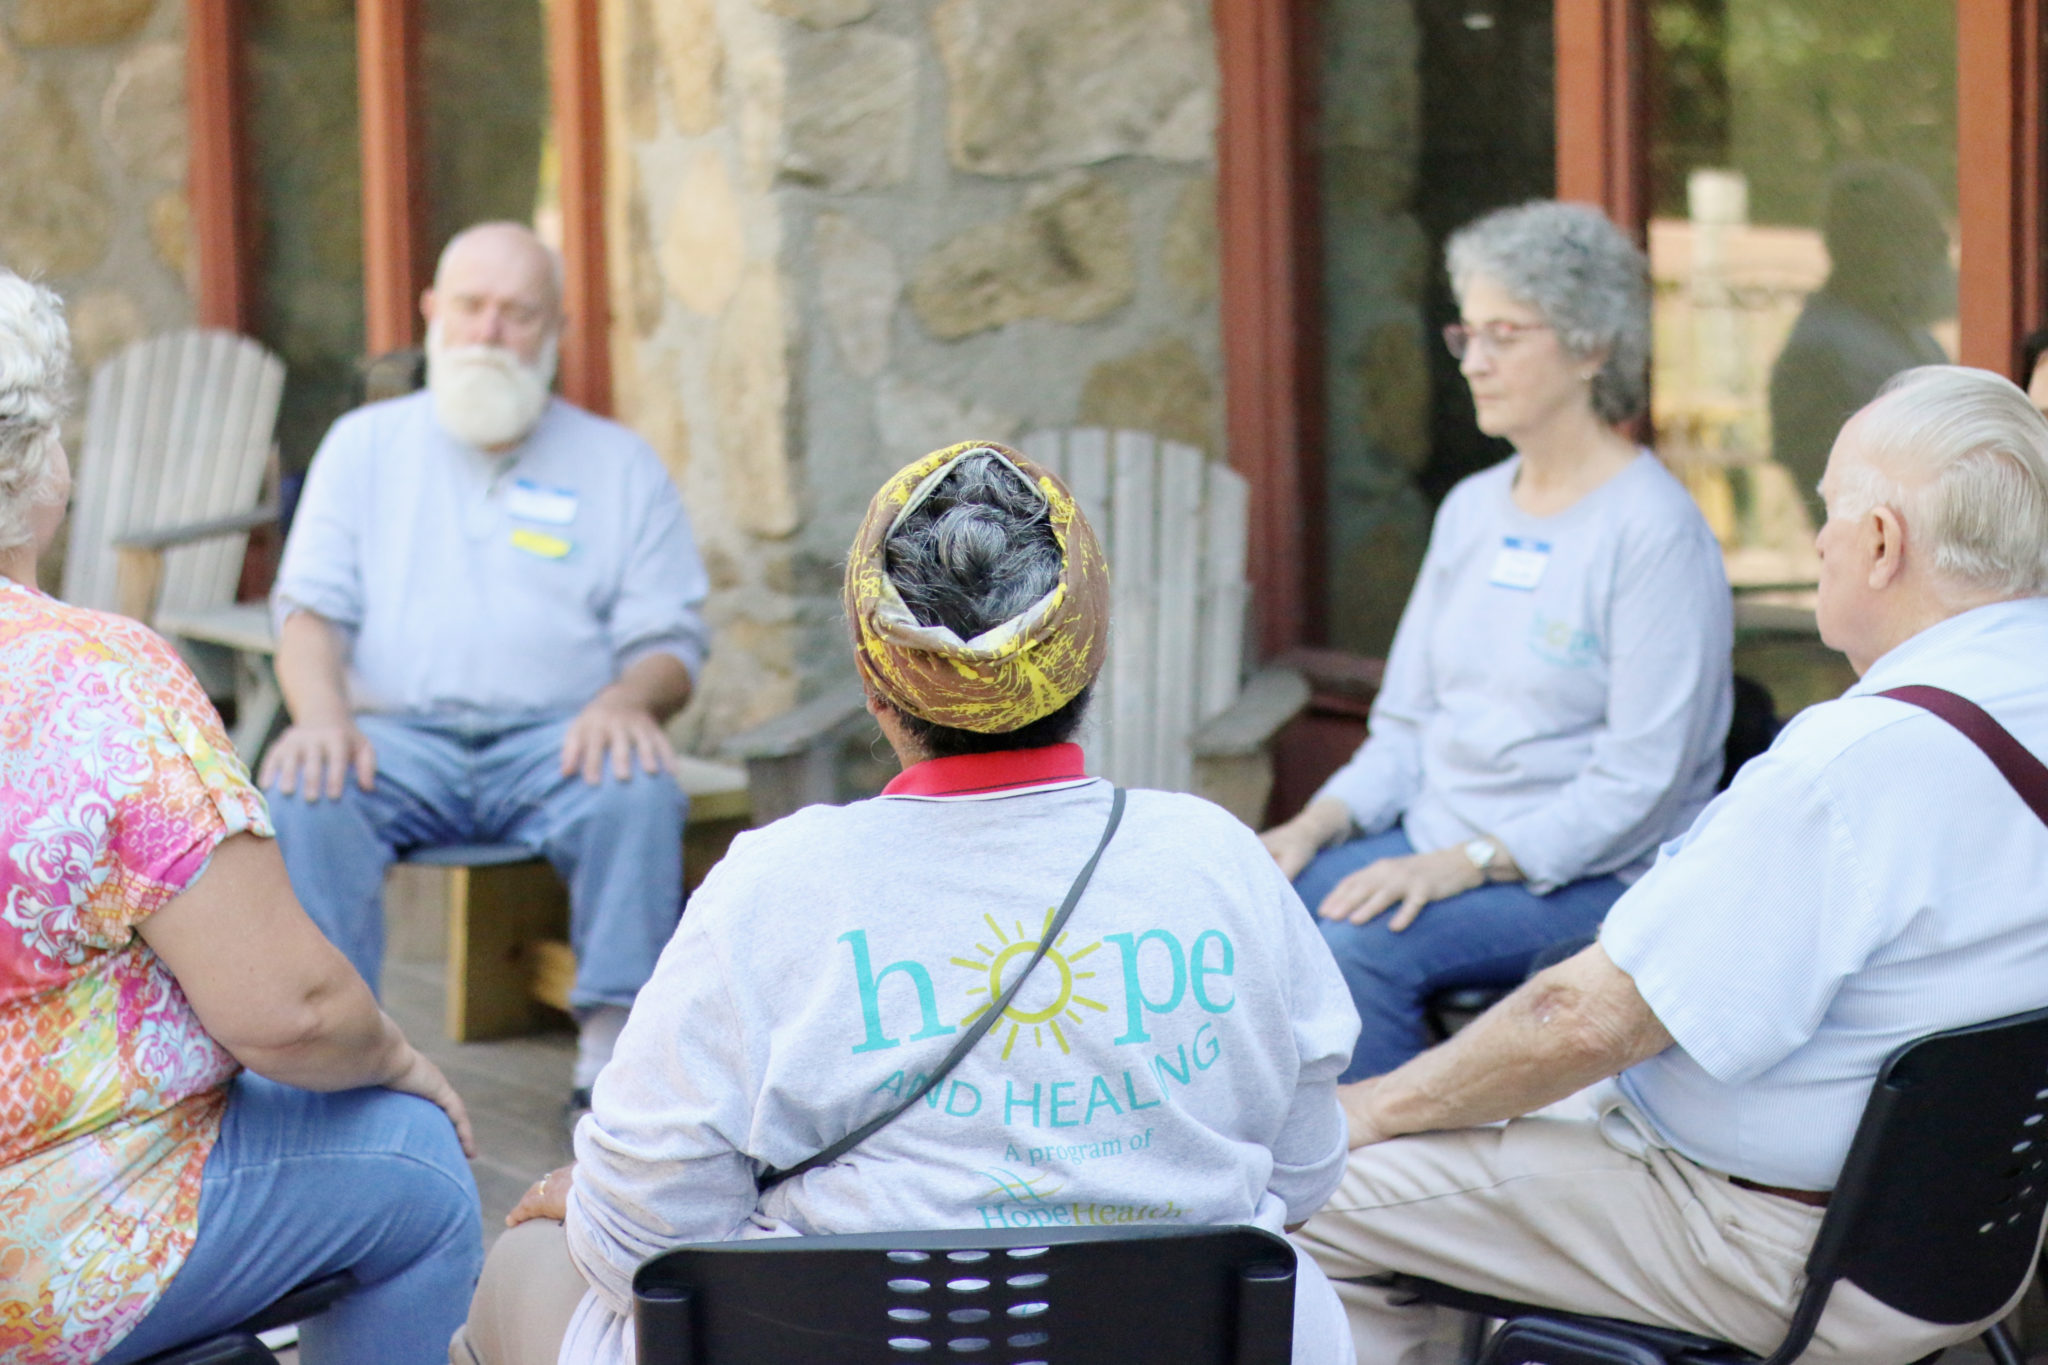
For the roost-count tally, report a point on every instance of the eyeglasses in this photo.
(1497, 336)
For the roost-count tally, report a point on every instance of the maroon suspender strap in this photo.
(2028, 775)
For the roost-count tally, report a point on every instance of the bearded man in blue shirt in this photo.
(1869, 880)
(487, 609)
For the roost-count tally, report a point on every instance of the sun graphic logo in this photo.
(1011, 954)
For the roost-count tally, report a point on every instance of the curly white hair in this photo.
(35, 360)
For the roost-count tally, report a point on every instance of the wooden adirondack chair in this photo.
(1174, 708)
(178, 431)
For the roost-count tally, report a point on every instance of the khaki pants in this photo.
(1591, 1215)
(527, 1294)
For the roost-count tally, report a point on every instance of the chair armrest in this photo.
(139, 558)
(1271, 697)
(816, 722)
(793, 761)
(169, 537)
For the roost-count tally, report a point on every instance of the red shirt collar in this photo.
(986, 774)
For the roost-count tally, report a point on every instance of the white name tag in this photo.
(1519, 564)
(532, 501)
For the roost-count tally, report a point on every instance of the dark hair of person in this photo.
(2030, 353)
(978, 551)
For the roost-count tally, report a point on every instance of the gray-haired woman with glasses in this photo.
(1558, 692)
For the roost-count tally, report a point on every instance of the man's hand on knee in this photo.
(616, 730)
(315, 759)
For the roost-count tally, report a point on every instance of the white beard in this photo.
(485, 396)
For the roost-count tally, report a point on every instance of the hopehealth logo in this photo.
(1011, 954)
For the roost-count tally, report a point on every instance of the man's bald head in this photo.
(497, 284)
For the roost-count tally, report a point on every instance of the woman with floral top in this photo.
(152, 1191)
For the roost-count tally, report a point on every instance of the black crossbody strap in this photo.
(772, 1177)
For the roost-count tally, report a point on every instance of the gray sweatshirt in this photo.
(1172, 1060)
(1559, 683)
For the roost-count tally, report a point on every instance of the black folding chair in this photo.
(239, 1345)
(1938, 1211)
(1148, 1295)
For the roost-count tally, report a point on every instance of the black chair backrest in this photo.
(1751, 728)
(1939, 1208)
(239, 1346)
(1147, 1295)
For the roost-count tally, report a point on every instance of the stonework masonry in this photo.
(92, 163)
(844, 232)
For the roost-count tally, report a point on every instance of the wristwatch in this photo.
(1483, 853)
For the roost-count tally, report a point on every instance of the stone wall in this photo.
(92, 163)
(845, 232)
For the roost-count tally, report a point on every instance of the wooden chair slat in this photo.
(1219, 663)
(1135, 605)
(1087, 476)
(178, 431)
(1179, 604)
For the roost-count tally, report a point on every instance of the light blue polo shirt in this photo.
(1869, 880)
(505, 586)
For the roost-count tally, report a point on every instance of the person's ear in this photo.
(1886, 536)
(427, 305)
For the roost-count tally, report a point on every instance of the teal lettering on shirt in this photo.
(1098, 1094)
(1135, 1000)
(868, 982)
(1199, 968)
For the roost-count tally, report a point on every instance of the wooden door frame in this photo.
(217, 176)
(1266, 219)
(387, 80)
(1999, 179)
(576, 87)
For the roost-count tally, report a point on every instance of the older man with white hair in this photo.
(1871, 879)
(488, 607)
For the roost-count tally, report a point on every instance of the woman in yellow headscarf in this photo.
(1170, 1055)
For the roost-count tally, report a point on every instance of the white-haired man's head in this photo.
(35, 359)
(494, 317)
(1937, 498)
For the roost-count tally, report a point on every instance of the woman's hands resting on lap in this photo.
(547, 1197)
(1410, 883)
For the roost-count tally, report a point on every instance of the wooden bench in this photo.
(509, 968)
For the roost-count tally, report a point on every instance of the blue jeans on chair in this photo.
(301, 1185)
(1482, 937)
(618, 845)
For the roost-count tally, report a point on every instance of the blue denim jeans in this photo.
(301, 1185)
(618, 845)
(1482, 937)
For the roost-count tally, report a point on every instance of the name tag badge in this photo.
(530, 501)
(1519, 564)
(539, 543)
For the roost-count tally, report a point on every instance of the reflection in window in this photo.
(1409, 149)
(1803, 171)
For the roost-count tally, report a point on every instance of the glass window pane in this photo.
(305, 148)
(1803, 199)
(1431, 112)
(483, 80)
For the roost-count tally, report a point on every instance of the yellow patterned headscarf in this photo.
(1003, 679)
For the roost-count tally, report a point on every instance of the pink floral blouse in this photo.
(116, 783)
